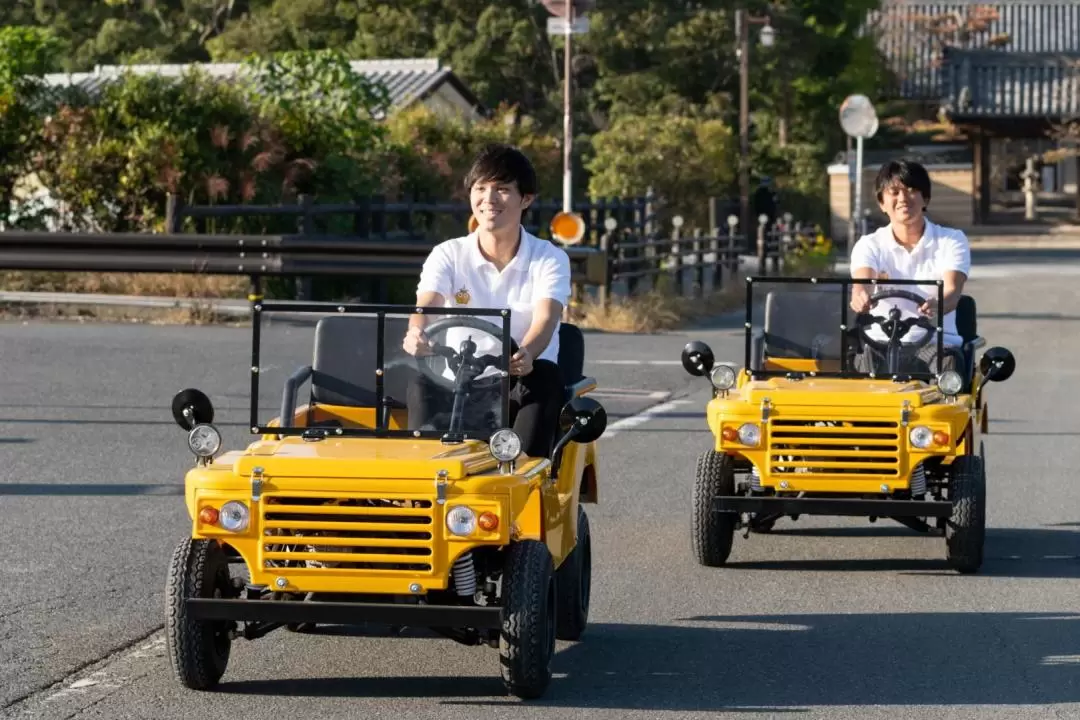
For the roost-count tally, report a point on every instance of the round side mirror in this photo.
(997, 364)
(585, 414)
(191, 407)
(697, 358)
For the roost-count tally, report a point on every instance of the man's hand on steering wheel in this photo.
(521, 363)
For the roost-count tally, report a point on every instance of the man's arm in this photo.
(863, 267)
(549, 297)
(434, 286)
(955, 268)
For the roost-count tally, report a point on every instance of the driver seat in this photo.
(968, 328)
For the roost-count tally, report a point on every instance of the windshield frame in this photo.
(846, 312)
(380, 312)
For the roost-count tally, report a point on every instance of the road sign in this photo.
(858, 117)
(558, 7)
(557, 26)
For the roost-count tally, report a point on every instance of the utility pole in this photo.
(742, 27)
(567, 119)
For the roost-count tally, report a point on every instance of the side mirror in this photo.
(697, 358)
(582, 420)
(997, 364)
(191, 407)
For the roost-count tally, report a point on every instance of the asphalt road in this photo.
(823, 618)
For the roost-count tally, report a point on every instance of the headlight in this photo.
(505, 445)
(950, 382)
(921, 436)
(749, 434)
(722, 377)
(461, 520)
(204, 440)
(233, 516)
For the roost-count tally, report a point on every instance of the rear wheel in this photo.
(713, 532)
(198, 649)
(573, 582)
(965, 530)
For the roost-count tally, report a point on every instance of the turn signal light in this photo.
(208, 516)
(941, 438)
(488, 521)
(730, 434)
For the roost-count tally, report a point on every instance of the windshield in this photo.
(341, 370)
(796, 326)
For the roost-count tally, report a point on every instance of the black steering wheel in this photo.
(466, 365)
(894, 326)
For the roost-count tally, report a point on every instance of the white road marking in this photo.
(629, 394)
(636, 362)
(642, 417)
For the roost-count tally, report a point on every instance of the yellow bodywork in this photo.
(362, 515)
(824, 435)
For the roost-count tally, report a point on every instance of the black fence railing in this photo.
(374, 242)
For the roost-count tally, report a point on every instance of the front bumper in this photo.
(832, 506)
(345, 613)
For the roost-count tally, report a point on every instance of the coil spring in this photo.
(755, 478)
(464, 575)
(918, 481)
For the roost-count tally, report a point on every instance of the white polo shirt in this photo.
(457, 270)
(939, 250)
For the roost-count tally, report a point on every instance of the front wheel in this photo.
(713, 532)
(965, 530)
(198, 649)
(527, 640)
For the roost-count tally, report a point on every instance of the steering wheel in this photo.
(894, 327)
(464, 361)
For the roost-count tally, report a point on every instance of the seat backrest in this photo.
(571, 353)
(803, 323)
(966, 320)
(343, 368)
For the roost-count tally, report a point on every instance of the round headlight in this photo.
(950, 382)
(204, 440)
(505, 445)
(921, 436)
(233, 516)
(749, 434)
(461, 520)
(722, 377)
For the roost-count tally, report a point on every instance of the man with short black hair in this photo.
(501, 265)
(914, 248)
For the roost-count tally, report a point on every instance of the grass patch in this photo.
(197, 314)
(659, 310)
(172, 285)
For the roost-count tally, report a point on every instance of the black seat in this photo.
(343, 369)
(571, 353)
(967, 327)
(800, 323)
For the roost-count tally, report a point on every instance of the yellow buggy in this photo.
(347, 511)
(834, 412)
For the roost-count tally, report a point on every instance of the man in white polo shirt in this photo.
(910, 247)
(501, 265)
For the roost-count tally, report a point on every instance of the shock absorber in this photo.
(464, 575)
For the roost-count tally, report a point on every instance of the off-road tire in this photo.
(198, 649)
(712, 532)
(527, 640)
(965, 531)
(573, 584)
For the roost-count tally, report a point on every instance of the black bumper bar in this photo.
(346, 613)
(832, 506)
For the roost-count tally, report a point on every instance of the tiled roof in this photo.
(1032, 27)
(991, 84)
(406, 80)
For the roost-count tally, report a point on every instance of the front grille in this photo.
(375, 534)
(855, 449)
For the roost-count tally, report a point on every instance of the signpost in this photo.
(860, 121)
(569, 19)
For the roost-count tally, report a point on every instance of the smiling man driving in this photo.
(911, 247)
(501, 265)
